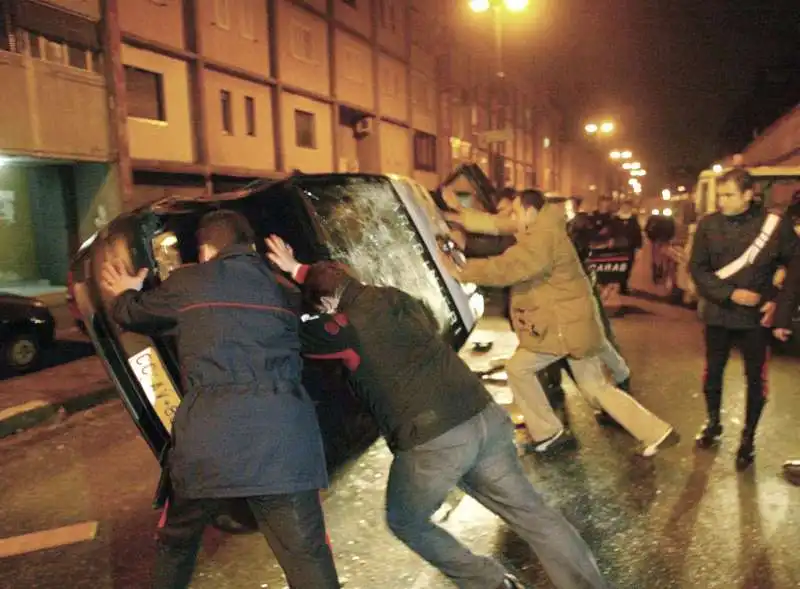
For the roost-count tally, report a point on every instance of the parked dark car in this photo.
(26, 328)
(381, 226)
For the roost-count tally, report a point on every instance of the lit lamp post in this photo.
(604, 128)
(497, 7)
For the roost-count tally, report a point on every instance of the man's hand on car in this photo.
(116, 279)
(281, 254)
(782, 334)
(745, 298)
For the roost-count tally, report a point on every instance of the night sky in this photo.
(670, 72)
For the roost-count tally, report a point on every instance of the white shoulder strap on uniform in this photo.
(750, 254)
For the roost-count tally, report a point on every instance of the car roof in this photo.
(758, 171)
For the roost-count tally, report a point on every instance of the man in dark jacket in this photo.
(439, 421)
(785, 312)
(735, 255)
(629, 238)
(245, 428)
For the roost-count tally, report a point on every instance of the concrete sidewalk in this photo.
(52, 393)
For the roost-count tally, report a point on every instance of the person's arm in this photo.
(532, 256)
(330, 337)
(144, 312)
(709, 285)
(474, 221)
(789, 298)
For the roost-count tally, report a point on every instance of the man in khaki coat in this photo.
(555, 316)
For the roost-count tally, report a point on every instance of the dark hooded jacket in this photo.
(245, 426)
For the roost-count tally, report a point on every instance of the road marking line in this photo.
(37, 541)
(17, 409)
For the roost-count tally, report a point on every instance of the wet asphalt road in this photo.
(681, 520)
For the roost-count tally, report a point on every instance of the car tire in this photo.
(22, 352)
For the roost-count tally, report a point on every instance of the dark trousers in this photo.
(479, 456)
(293, 525)
(753, 345)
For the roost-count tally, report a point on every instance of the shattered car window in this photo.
(367, 228)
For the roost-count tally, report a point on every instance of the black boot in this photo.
(747, 451)
(710, 433)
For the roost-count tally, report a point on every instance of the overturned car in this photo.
(387, 229)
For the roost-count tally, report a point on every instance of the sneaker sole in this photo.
(544, 446)
(669, 439)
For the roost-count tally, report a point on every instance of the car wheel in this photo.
(22, 352)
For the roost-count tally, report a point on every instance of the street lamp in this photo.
(635, 165)
(626, 155)
(606, 128)
(615, 155)
(497, 7)
(666, 194)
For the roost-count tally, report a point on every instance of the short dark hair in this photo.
(224, 228)
(506, 193)
(740, 177)
(530, 197)
(324, 279)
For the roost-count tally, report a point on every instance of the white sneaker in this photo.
(670, 438)
(545, 444)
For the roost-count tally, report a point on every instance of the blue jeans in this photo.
(480, 457)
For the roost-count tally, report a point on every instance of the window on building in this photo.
(424, 152)
(226, 108)
(305, 129)
(77, 58)
(388, 15)
(222, 14)
(303, 47)
(247, 14)
(145, 94)
(355, 64)
(250, 115)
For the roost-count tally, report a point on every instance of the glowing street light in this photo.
(605, 128)
(615, 155)
(638, 172)
(635, 165)
(633, 182)
(626, 155)
(627, 166)
(666, 194)
(681, 189)
(479, 5)
(510, 5)
(667, 212)
(717, 169)
(516, 5)
(655, 212)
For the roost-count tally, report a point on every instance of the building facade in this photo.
(126, 101)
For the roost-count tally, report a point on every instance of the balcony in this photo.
(53, 110)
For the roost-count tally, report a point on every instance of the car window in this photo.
(366, 227)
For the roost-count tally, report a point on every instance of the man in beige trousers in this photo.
(555, 316)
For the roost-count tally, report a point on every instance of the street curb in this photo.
(24, 417)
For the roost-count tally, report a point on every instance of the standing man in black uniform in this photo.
(246, 428)
(735, 255)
